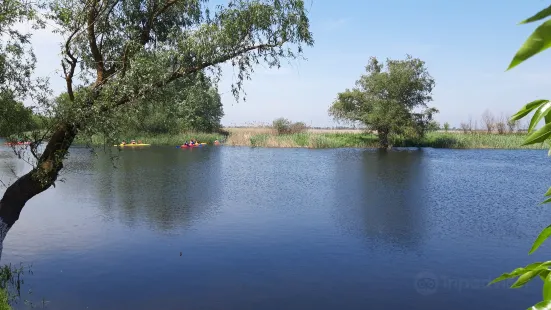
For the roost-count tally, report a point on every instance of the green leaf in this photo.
(545, 233)
(525, 278)
(519, 271)
(538, 41)
(528, 108)
(538, 16)
(540, 113)
(543, 274)
(548, 200)
(542, 305)
(547, 287)
(539, 136)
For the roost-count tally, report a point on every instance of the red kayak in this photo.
(17, 143)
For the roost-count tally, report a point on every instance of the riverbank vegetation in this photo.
(319, 138)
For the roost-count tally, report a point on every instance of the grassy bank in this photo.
(321, 138)
(265, 137)
(162, 139)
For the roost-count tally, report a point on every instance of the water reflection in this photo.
(384, 199)
(164, 188)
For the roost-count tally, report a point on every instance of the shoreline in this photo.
(328, 139)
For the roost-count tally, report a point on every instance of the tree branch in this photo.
(73, 63)
(180, 73)
(98, 58)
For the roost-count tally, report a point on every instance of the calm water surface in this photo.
(241, 228)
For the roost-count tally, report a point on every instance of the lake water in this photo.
(241, 228)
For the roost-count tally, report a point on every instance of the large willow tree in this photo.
(117, 54)
(390, 102)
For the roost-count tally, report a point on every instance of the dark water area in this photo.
(242, 228)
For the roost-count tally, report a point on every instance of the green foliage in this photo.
(283, 126)
(193, 106)
(14, 116)
(446, 126)
(538, 41)
(385, 101)
(153, 66)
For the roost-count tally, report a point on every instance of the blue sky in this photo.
(467, 45)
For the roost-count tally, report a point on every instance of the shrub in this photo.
(282, 126)
(298, 127)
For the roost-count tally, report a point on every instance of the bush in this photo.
(298, 127)
(283, 126)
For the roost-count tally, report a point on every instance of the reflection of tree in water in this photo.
(379, 195)
(162, 187)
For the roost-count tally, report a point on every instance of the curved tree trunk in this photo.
(37, 180)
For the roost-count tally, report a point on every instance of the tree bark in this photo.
(383, 139)
(39, 179)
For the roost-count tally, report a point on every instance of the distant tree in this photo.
(384, 101)
(488, 120)
(501, 125)
(432, 126)
(466, 127)
(512, 124)
(446, 126)
(284, 126)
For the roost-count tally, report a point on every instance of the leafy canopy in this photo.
(129, 52)
(15, 116)
(392, 101)
(195, 106)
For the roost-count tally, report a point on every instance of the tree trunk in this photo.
(383, 139)
(37, 180)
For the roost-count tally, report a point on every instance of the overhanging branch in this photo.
(181, 73)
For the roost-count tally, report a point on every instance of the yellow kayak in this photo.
(140, 144)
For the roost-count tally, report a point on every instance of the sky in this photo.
(467, 45)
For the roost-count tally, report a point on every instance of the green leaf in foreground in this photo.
(542, 305)
(538, 16)
(526, 277)
(547, 287)
(540, 113)
(539, 136)
(548, 193)
(545, 233)
(522, 270)
(543, 275)
(528, 108)
(538, 41)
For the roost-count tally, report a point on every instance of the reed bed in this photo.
(332, 138)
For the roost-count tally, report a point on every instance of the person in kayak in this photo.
(123, 142)
(132, 141)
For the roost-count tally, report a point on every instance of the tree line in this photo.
(490, 123)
